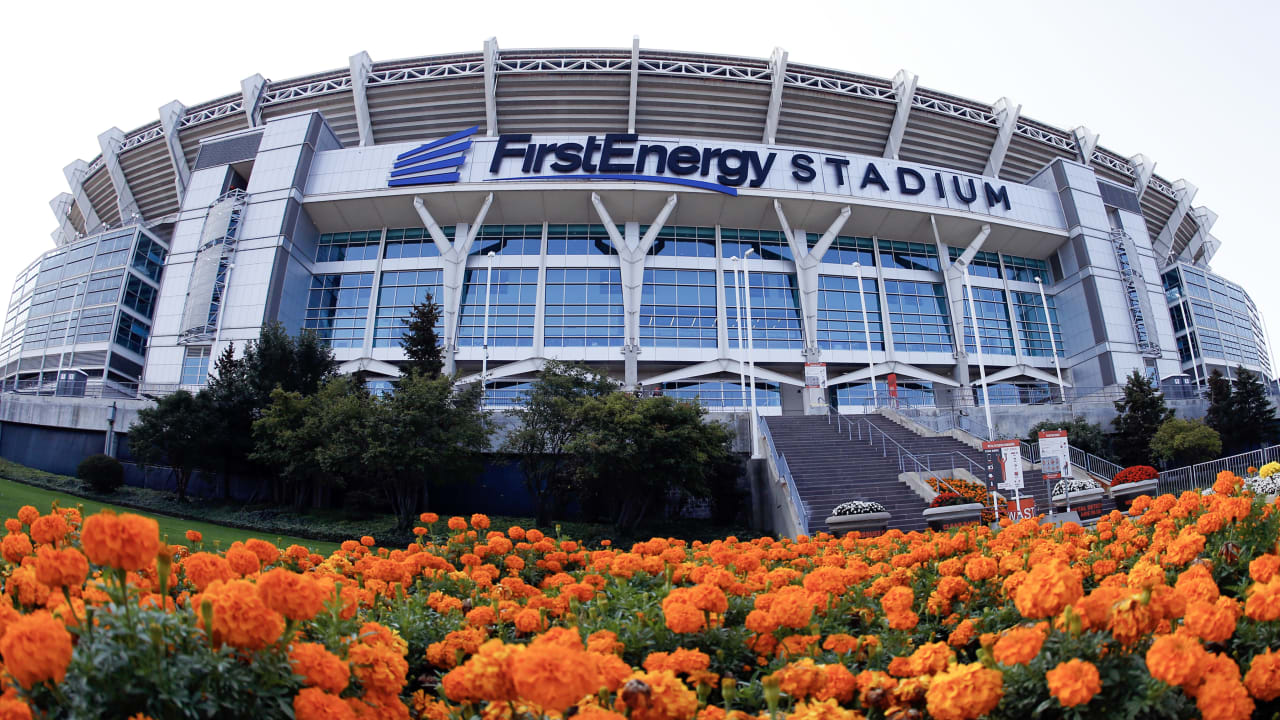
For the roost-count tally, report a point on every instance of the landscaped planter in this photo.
(1125, 493)
(869, 524)
(1088, 503)
(950, 516)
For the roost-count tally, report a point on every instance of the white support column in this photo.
(1185, 193)
(954, 276)
(1205, 220)
(904, 86)
(632, 252)
(1143, 168)
(76, 173)
(170, 119)
(1086, 143)
(635, 83)
(251, 92)
(454, 256)
(491, 87)
(540, 304)
(1007, 111)
(807, 261)
(110, 142)
(61, 207)
(778, 72)
(361, 65)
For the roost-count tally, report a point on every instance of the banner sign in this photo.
(815, 375)
(893, 385)
(1055, 454)
(1004, 463)
(1022, 509)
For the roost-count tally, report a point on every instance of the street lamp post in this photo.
(977, 342)
(742, 363)
(751, 363)
(484, 362)
(1053, 344)
(866, 331)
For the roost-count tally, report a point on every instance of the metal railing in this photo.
(860, 429)
(95, 389)
(798, 505)
(1092, 464)
(1203, 475)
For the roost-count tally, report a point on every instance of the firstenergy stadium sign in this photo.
(709, 166)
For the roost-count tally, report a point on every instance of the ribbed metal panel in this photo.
(408, 112)
(811, 118)
(1156, 208)
(563, 103)
(150, 176)
(1183, 235)
(1026, 157)
(701, 108)
(190, 139)
(102, 196)
(92, 358)
(76, 217)
(937, 139)
(338, 110)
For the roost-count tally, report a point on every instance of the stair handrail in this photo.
(784, 474)
(905, 457)
(1090, 463)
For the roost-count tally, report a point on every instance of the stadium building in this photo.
(600, 205)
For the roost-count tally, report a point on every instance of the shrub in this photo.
(1135, 473)
(101, 473)
(1185, 442)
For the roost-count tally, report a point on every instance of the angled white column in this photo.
(1007, 111)
(807, 261)
(110, 142)
(491, 87)
(75, 173)
(1086, 143)
(1143, 168)
(454, 254)
(361, 65)
(778, 72)
(635, 83)
(904, 86)
(953, 273)
(632, 252)
(251, 92)
(1205, 220)
(61, 207)
(1185, 192)
(170, 119)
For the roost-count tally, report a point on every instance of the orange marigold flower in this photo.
(13, 709)
(266, 552)
(657, 696)
(124, 542)
(480, 522)
(1224, 697)
(15, 546)
(457, 523)
(840, 643)
(1176, 660)
(380, 668)
(484, 676)
(1263, 678)
(367, 541)
(294, 595)
(1212, 622)
(316, 704)
(28, 514)
(194, 536)
(61, 568)
(203, 568)
(964, 634)
(800, 679)
(554, 677)
(980, 568)
(1048, 589)
(36, 648)
(1074, 682)
(964, 692)
(1018, 646)
(240, 617)
(1263, 603)
(683, 617)
(243, 560)
(529, 621)
(318, 667)
(1264, 567)
(49, 529)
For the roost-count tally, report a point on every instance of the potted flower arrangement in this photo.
(865, 516)
(1267, 483)
(1131, 482)
(1076, 492)
(950, 509)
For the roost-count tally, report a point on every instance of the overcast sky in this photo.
(1188, 84)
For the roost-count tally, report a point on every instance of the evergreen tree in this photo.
(176, 432)
(1221, 415)
(1254, 422)
(1141, 413)
(420, 342)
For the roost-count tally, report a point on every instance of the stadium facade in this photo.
(597, 205)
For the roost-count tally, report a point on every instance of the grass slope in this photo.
(14, 495)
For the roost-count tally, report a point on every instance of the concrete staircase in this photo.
(830, 469)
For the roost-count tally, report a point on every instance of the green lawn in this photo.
(14, 495)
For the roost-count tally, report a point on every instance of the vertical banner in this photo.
(892, 380)
(1055, 454)
(1007, 456)
(815, 384)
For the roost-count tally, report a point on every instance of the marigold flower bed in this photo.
(1172, 610)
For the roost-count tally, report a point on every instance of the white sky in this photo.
(1186, 83)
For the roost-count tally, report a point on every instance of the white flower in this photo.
(858, 507)
(1264, 485)
(1074, 485)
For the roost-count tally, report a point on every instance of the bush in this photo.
(101, 473)
(1185, 442)
(1135, 473)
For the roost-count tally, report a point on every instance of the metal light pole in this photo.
(751, 363)
(1053, 345)
(866, 330)
(977, 341)
(484, 362)
(742, 364)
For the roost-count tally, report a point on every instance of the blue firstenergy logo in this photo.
(434, 163)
